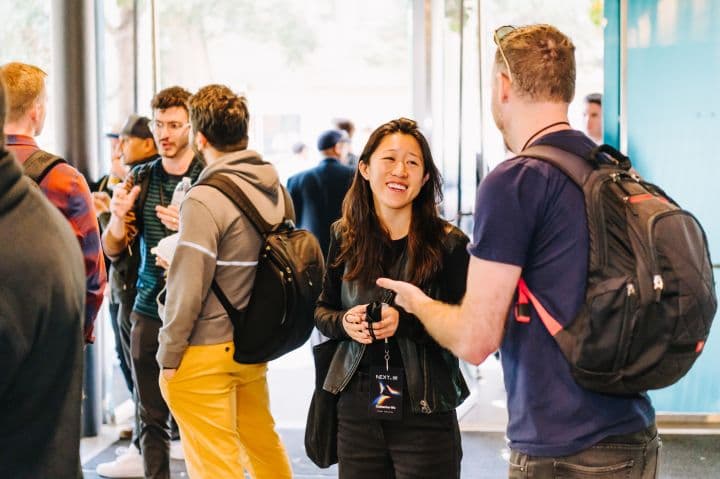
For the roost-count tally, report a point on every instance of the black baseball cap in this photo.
(330, 138)
(137, 126)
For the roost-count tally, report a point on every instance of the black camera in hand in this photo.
(373, 312)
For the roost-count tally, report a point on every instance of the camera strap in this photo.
(386, 384)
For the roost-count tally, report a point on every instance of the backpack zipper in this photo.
(600, 217)
(658, 283)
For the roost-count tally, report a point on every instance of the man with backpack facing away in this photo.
(530, 220)
(141, 215)
(221, 407)
(62, 184)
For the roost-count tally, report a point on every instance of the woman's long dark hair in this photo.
(365, 242)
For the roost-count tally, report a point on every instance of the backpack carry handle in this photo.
(617, 158)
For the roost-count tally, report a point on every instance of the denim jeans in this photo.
(627, 456)
(418, 446)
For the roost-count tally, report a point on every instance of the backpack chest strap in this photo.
(522, 309)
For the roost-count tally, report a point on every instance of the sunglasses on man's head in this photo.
(498, 36)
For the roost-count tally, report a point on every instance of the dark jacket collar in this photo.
(12, 186)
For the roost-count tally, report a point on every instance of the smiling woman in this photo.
(390, 226)
(396, 174)
(396, 153)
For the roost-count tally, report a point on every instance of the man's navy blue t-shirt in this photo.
(529, 214)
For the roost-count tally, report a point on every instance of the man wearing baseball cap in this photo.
(318, 193)
(137, 144)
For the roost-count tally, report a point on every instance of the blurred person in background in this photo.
(318, 193)
(349, 158)
(593, 117)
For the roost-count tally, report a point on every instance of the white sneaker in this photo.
(122, 450)
(127, 465)
(176, 450)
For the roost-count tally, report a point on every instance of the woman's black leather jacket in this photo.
(434, 380)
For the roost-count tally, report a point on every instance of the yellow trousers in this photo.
(223, 411)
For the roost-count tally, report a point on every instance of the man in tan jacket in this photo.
(222, 407)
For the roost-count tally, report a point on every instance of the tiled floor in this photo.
(682, 457)
(688, 456)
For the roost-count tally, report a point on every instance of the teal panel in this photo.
(674, 105)
(611, 95)
(673, 127)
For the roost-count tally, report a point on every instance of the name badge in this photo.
(386, 393)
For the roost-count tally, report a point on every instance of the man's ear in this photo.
(200, 140)
(149, 144)
(504, 87)
(36, 111)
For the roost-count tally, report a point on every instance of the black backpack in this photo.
(280, 314)
(39, 164)
(650, 297)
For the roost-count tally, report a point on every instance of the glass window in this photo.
(25, 37)
(456, 104)
(315, 62)
(581, 21)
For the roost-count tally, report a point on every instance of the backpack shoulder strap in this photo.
(103, 183)
(39, 164)
(289, 205)
(142, 175)
(143, 179)
(235, 194)
(575, 167)
(237, 317)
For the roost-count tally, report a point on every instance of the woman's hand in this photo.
(355, 326)
(388, 324)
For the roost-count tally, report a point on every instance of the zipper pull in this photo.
(630, 289)
(387, 355)
(658, 286)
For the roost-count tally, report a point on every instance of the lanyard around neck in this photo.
(542, 130)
